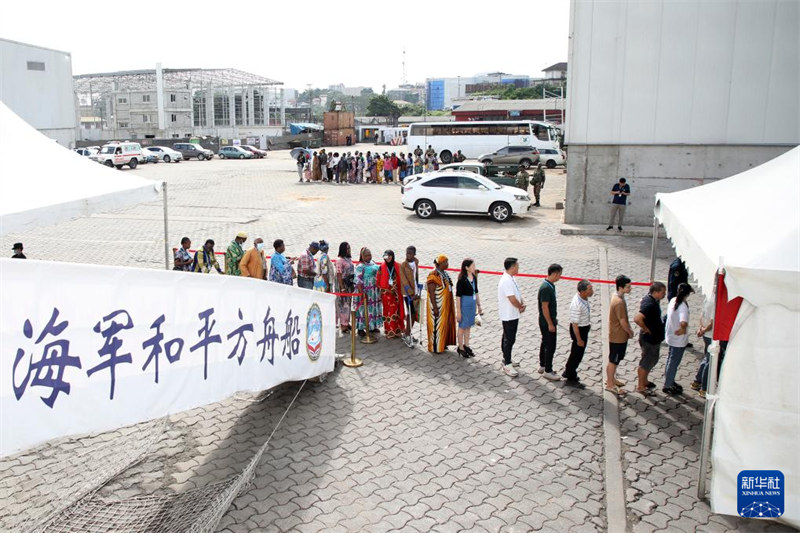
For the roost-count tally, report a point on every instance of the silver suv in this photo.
(512, 155)
(190, 150)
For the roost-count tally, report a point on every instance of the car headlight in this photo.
(521, 197)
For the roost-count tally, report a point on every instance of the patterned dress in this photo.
(393, 308)
(344, 266)
(367, 281)
(441, 329)
(326, 277)
(233, 255)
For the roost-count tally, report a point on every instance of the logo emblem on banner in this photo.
(314, 332)
(760, 493)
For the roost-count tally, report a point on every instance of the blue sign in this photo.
(760, 493)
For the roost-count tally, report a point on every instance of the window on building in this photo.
(122, 100)
(122, 124)
(222, 114)
(174, 117)
(173, 98)
(36, 65)
(175, 136)
(145, 98)
(199, 109)
(145, 118)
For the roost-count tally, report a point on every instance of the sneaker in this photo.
(610, 227)
(510, 370)
(673, 391)
(541, 370)
(679, 387)
(515, 364)
(552, 376)
(702, 393)
(651, 385)
(575, 383)
(696, 385)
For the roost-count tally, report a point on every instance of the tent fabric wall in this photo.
(44, 183)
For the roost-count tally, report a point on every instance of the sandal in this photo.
(620, 392)
(620, 382)
(646, 392)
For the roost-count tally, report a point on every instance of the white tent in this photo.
(749, 226)
(44, 183)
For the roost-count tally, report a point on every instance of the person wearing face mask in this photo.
(254, 262)
(393, 309)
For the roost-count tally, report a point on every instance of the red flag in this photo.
(726, 311)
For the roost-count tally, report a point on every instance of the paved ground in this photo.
(408, 442)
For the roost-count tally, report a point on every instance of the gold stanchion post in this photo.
(353, 362)
(369, 339)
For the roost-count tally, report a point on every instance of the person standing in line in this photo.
(418, 165)
(411, 289)
(234, 254)
(367, 285)
(651, 335)
(280, 268)
(619, 331)
(510, 306)
(391, 296)
(388, 169)
(677, 335)
(334, 163)
(345, 278)
(183, 260)
(580, 315)
(325, 281)
(521, 180)
(301, 164)
(379, 169)
(344, 167)
(17, 249)
(360, 169)
(254, 263)
(619, 193)
(548, 320)
(205, 259)
(441, 308)
(395, 168)
(677, 275)
(468, 304)
(706, 332)
(537, 181)
(409, 164)
(307, 267)
(323, 165)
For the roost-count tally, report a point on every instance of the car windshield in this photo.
(108, 150)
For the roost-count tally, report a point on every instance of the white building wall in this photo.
(694, 84)
(43, 98)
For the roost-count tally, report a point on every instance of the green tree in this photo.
(380, 106)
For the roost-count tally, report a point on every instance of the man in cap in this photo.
(254, 263)
(307, 267)
(18, 251)
(234, 254)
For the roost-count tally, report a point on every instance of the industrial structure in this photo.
(36, 84)
(682, 94)
(179, 103)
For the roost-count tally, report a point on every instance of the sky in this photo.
(318, 44)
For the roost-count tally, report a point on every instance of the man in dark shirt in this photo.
(18, 251)
(651, 335)
(619, 199)
(677, 275)
(548, 320)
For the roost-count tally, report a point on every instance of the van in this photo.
(190, 150)
(119, 154)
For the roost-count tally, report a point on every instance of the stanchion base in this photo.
(353, 363)
(368, 340)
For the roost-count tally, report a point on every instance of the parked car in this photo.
(551, 157)
(463, 192)
(119, 155)
(165, 154)
(148, 157)
(257, 152)
(234, 152)
(192, 150)
(525, 156)
(86, 152)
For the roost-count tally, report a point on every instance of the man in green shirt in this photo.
(538, 183)
(548, 320)
(234, 254)
(522, 179)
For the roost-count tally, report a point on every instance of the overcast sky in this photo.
(354, 42)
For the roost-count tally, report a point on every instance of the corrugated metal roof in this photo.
(510, 105)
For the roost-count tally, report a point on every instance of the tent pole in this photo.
(708, 417)
(166, 227)
(653, 250)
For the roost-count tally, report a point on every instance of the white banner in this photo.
(88, 348)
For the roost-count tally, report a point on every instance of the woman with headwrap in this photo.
(441, 309)
(367, 283)
(345, 280)
(325, 280)
(393, 309)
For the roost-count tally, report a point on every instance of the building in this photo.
(551, 110)
(441, 92)
(347, 91)
(178, 103)
(36, 84)
(557, 72)
(682, 94)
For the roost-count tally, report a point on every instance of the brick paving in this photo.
(409, 441)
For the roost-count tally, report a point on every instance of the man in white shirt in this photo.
(580, 314)
(510, 306)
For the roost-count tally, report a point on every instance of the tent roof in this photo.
(749, 224)
(44, 183)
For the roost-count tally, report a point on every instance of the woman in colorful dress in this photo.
(345, 280)
(360, 169)
(391, 296)
(378, 169)
(371, 170)
(367, 284)
(325, 280)
(316, 168)
(353, 169)
(418, 165)
(441, 309)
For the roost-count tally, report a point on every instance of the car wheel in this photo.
(486, 161)
(425, 209)
(167, 159)
(526, 163)
(119, 167)
(446, 156)
(133, 162)
(500, 211)
(108, 163)
(201, 157)
(241, 156)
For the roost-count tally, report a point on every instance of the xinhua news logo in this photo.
(761, 493)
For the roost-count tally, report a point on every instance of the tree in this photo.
(380, 106)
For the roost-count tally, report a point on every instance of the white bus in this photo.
(474, 138)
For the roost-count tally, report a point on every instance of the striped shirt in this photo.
(579, 311)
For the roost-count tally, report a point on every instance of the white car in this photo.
(463, 192)
(551, 157)
(165, 154)
(86, 152)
